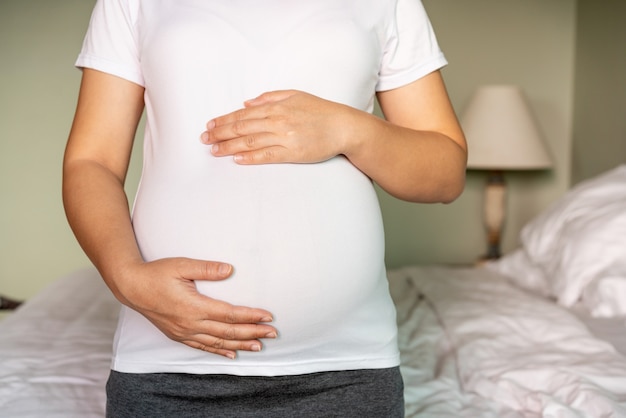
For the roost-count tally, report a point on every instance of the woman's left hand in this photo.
(281, 127)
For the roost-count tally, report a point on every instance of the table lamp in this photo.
(501, 135)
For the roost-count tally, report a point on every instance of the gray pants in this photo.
(376, 393)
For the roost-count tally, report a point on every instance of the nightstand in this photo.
(7, 305)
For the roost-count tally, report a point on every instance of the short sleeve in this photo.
(111, 42)
(411, 49)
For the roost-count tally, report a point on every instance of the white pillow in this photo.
(574, 245)
(605, 296)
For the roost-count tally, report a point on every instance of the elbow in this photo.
(440, 180)
(445, 191)
(444, 187)
(453, 192)
(452, 184)
(453, 188)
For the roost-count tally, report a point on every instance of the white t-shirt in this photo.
(306, 240)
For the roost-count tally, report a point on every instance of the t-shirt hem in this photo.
(109, 67)
(412, 74)
(259, 369)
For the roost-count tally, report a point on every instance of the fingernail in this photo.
(204, 137)
(224, 269)
(230, 355)
(267, 319)
(210, 124)
(215, 148)
(270, 335)
(255, 347)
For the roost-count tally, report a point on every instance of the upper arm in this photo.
(423, 105)
(106, 119)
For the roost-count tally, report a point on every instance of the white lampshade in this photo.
(501, 132)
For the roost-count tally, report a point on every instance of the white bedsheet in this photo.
(483, 348)
(611, 329)
(56, 350)
(472, 346)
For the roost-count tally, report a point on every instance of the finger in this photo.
(226, 313)
(269, 155)
(236, 333)
(270, 96)
(223, 347)
(228, 340)
(192, 269)
(231, 354)
(224, 131)
(253, 142)
(246, 113)
(219, 336)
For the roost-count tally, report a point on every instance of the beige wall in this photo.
(600, 103)
(527, 42)
(39, 41)
(530, 43)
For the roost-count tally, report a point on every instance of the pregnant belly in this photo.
(306, 241)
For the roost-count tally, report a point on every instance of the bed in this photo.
(538, 333)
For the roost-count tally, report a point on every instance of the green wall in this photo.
(526, 42)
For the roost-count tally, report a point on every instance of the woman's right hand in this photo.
(165, 293)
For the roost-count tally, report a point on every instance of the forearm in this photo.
(417, 154)
(417, 166)
(98, 213)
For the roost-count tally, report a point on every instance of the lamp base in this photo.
(493, 252)
(494, 212)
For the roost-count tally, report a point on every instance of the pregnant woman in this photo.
(251, 267)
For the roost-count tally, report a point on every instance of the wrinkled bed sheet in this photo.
(55, 350)
(473, 345)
